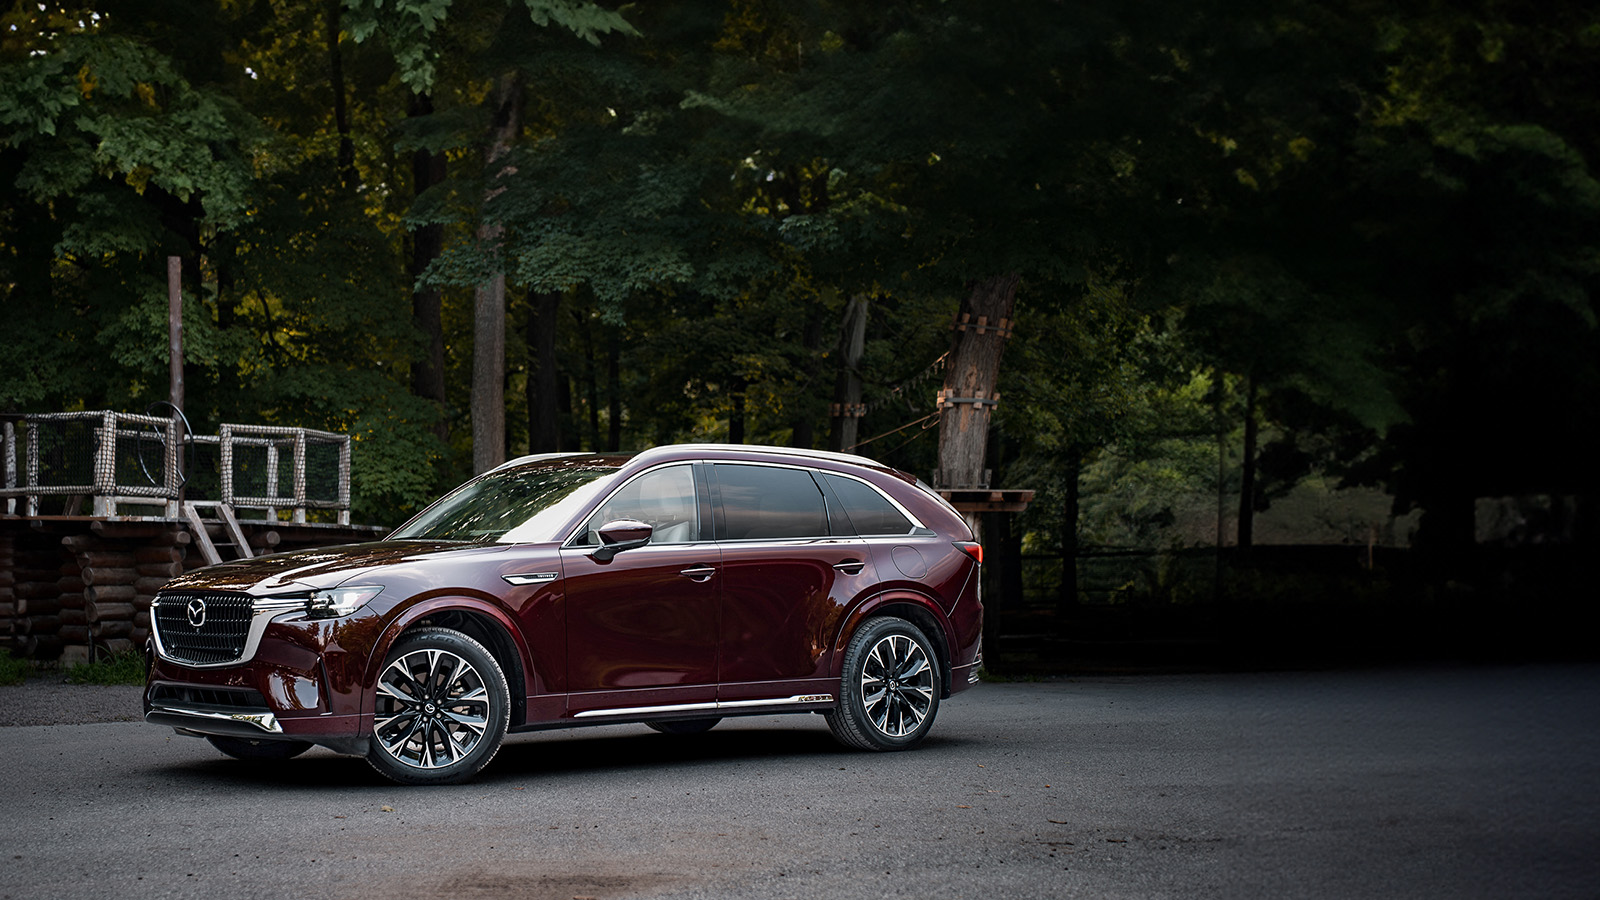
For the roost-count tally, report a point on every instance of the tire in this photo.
(889, 689)
(256, 751)
(685, 726)
(440, 709)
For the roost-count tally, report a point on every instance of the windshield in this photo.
(523, 505)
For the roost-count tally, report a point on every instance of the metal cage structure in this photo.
(130, 459)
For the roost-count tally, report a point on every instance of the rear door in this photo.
(786, 580)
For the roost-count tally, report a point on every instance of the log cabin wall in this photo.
(73, 588)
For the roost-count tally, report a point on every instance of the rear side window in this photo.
(870, 512)
(768, 502)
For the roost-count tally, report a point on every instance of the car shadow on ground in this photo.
(555, 754)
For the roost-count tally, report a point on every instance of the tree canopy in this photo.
(1368, 228)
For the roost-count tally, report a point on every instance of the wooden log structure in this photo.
(38, 606)
(67, 581)
(107, 575)
(113, 593)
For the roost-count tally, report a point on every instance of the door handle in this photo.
(850, 566)
(699, 573)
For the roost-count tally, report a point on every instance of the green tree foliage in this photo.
(1377, 220)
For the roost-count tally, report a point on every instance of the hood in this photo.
(320, 568)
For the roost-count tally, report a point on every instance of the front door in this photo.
(642, 627)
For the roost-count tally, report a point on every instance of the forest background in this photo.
(1263, 252)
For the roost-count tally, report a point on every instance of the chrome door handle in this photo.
(850, 566)
(699, 573)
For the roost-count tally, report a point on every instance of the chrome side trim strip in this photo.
(721, 704)
(635, 710)
(531, 578)
(265, 721)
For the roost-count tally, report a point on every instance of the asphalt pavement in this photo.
(1403, 782)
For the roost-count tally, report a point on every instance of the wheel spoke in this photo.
(476, 723)
(916, 667)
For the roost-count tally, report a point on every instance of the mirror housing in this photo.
(620, 535)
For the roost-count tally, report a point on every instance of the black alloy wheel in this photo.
(889, 689)
(441, 709)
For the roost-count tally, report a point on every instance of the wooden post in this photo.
(175, 330)
(175, 434)
(968, 398)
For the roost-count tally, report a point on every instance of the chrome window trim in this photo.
(262, 611)
(915, 522)
(795, 700)
(577, 527)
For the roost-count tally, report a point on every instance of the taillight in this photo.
(972, 549)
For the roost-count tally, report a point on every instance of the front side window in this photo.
(769, 502)
(663, 499)
(869, 511)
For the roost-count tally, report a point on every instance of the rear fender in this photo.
(918, 609)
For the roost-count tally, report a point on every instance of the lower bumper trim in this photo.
(210, 721)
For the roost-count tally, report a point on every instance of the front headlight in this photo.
(340, 601)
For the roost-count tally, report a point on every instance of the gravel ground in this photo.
(47, 700)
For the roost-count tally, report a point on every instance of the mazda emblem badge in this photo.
(197, 612)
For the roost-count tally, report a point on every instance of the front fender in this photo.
(413, 612)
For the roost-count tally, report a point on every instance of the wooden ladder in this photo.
(234, 535)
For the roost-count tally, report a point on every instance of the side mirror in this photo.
(623, 534)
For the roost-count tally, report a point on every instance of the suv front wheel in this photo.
(441, 709)
(889, 689)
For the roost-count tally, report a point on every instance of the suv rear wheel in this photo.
(889, 690)
(441, 709)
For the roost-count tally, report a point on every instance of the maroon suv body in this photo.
(673, 587)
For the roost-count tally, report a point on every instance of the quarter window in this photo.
(870, 512)
(663, 499)
(768, 502)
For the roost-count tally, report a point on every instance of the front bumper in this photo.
(302, 679)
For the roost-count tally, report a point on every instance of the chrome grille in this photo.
(219, 638)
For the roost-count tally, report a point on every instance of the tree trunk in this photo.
(804, 425)
(847, 410)
(544, 403)
(1247, 471)
(427, 374)
(591, 389)
(968, 398)
(613, 389)
(1071, 506)
(737, 388)
(341, 115)
(489, 298)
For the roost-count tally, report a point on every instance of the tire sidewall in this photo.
(853, 704)
(494, 680)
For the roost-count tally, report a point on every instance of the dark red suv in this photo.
(674, 587)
